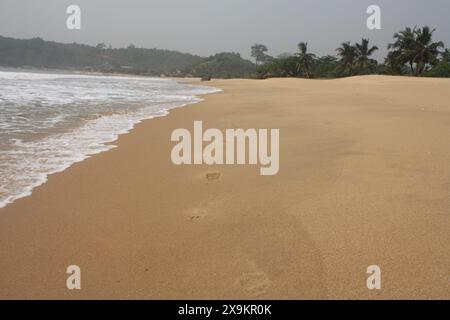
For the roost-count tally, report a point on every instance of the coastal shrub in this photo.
(442, 70)
(222, 65)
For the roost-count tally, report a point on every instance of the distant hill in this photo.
(38, 53)
(48, 54)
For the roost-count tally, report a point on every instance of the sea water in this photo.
(48, 121)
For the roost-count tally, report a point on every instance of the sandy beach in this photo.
(364, 180)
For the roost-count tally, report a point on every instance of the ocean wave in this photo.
(27, 163)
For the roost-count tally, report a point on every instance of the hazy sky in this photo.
(205, 27)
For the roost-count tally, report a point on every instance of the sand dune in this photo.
(364, 179)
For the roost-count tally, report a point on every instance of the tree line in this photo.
(38, 53)
(413, 52)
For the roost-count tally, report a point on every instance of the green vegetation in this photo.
(416, 48)
(446, 56)
(442, 70)
(363, 63)
(305, 60)
(222, 65)
(38, 53)
(259, 53)
(352, 60)
(413, 52)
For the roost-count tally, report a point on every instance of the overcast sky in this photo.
(206, 27)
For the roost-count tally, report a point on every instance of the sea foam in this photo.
(50, 121)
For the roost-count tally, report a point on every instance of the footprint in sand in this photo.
(210, 176)
(253, 282)
(197, 213)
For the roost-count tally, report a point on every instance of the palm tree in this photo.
(416, 47)
(305, 59)
(347, 53)
(403, 47)
(363, 53)
(394, 62)
(426, 51)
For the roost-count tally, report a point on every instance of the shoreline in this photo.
(118, 124)
(362, 181)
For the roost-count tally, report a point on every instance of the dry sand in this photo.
(364, 179)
